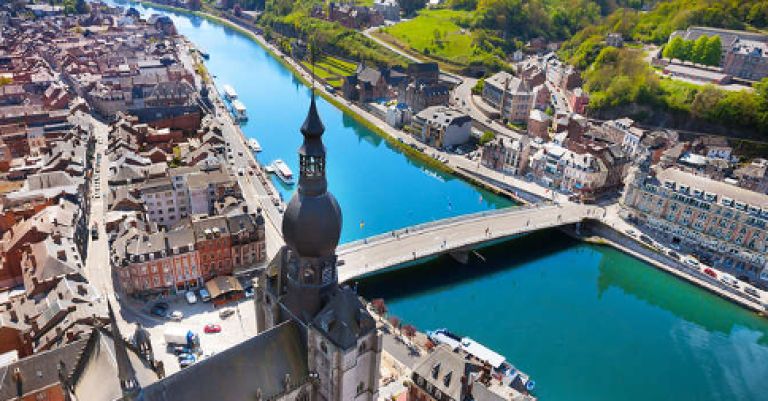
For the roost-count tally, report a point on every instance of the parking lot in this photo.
(234, 329)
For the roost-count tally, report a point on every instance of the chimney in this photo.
(19, 382)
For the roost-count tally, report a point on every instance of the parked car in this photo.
(630, 231)
(212, 328)
(160, 309)
(177, 315)
(729, 280)
(710, 272)
(673, 254)
(646, 239)
(249, 292)
(225, 313)
(204, 295)
(751, 291)
(186, 362)
(692, 262)
(191, 298)
(178, 350)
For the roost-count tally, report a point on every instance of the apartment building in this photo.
(214, 244)
(442, 127)
(724, 225)
(507, 155)
(511, 96)
(162, 201)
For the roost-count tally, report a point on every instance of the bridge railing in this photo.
(348, 272)
(437, 223)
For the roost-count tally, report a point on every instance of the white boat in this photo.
(239, 110)
(254, 145)
(229, 92)
(283, 172)
(511, 375)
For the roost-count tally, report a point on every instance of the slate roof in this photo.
(444, 369)
(344, 319)
(38, 371)
(260, 363)
(96, 376)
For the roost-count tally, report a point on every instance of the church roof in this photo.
(344, 319)
(260, 363)
(96, 377)
(38, 371)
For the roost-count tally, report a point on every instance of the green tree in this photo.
(478, 88)
(686, 50)
(758, 15)
(487, 137)
(713, 51)
(699, 50)
(409, 7)
(673, 49)
(705, 101)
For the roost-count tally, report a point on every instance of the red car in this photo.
(710, 272)
(212, 328)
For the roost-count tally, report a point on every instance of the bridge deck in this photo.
(443, 236)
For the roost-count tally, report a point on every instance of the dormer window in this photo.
(447, 379)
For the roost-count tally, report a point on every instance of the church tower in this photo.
(311, 227)
(301, 284)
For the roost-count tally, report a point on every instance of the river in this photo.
(587, 322)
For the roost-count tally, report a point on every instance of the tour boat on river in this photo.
(238, 108)
(283, 172)
(229, 92)
(501, 368)
(254, 145)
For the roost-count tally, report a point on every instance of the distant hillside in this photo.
(621, 81)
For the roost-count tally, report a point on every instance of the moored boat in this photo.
(508, 373)
(283, 171)
(238, 108)
(254, 145)
(229, 92)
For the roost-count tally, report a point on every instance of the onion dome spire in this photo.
(313, 127)
(312, 220)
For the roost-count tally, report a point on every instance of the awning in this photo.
(223, 285)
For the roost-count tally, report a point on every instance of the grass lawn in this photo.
(435, 32)
(331, 69)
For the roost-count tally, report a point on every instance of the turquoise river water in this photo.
(587, 322)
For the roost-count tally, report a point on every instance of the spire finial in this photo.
(312, 56)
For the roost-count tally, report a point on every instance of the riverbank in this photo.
(608, 236)
(361, 116)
